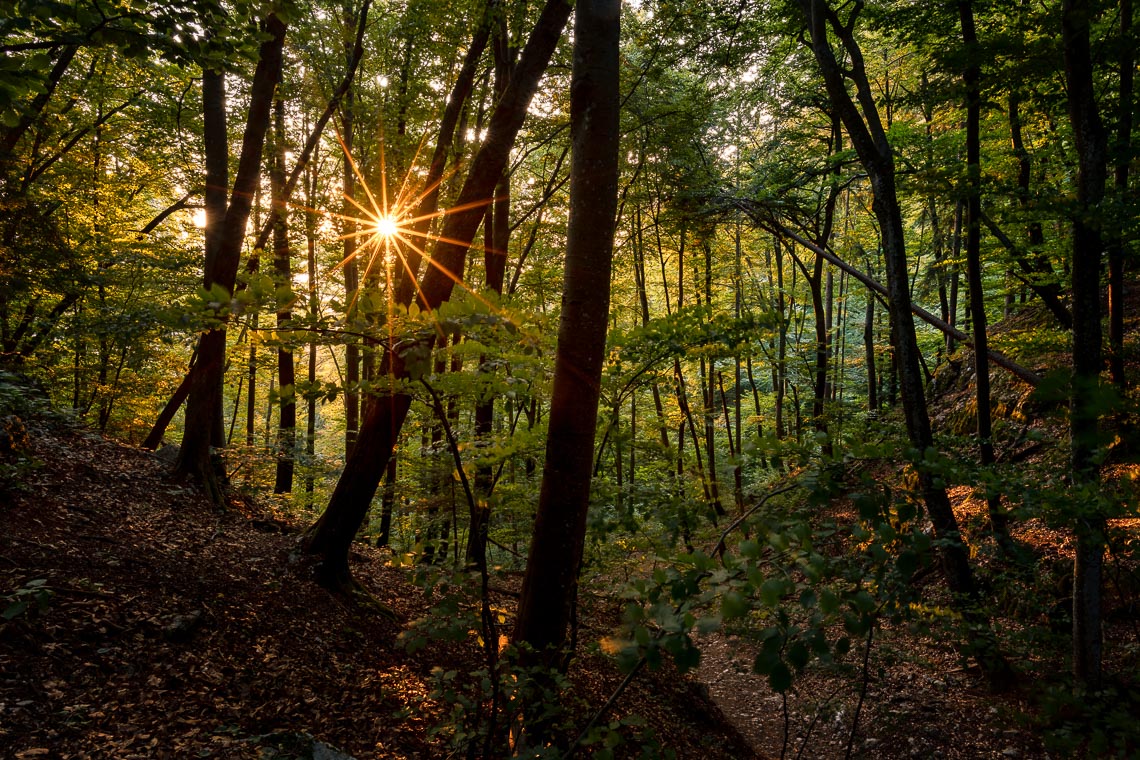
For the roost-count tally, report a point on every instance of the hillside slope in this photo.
(167, 630)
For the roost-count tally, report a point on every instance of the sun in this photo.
(387, 226)
(394, 229)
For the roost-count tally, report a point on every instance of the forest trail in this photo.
(167, 630)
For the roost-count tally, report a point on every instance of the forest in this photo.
(561, 354)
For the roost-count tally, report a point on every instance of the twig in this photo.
(787, 723)
(719, 547)
(815, 720)
(604, 708)
(862, 692)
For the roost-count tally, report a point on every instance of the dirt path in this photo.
(924, 706)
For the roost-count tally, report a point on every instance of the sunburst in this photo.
(389, 227)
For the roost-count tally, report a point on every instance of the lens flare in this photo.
(387, 226)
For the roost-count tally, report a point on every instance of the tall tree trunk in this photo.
(954, 278)
(643, 298)
(351, 267)
(1122, 150)
(999, 522)
(449, 131)
(710, 398)
(311, 188)
(780, 370)
(251, 391)
(550, 584)
(331, 536)
(495, 250)
(215, 144)
(204, 402)
(1038, 272)
(869, 348)
(283, 268)
(387, 503)
(1092, 156)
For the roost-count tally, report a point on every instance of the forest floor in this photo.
(170, 630)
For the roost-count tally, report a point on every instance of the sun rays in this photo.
(395, 232)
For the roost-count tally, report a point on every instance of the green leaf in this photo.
(710, 623)
(14, 610)
(780, 678)
(771, 592)
(798, 655)
(733, 605)
(765, 661)
(750, 549)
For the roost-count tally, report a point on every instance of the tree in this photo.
(550, 585)
(865, 128)
(283, 269)
(999, 523)
(331, 536)
(222, 259)
(1092, 169)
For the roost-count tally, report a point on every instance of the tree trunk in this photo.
(999, 522)
(311, 188)
(550, 584)
(869, 348)
(387, 503)
(869, 139)
(283, 268)
(351, 267)
(1116, 242)
(1092, 156)
(495, 250)
(204, 402)
(643, 298)
(1034, 264)
(780, 370)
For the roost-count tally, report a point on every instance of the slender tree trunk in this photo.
(643, 298)
(283, 268)
(738, 483)
(498, 222)
(204, 401)
(1092, 156)
(351, 267)
(251, 391)
(1122, 150)
(953, 318)
(387, 503)
(869, 348)
(999, 521)
(710, 399)
(1038, 272)
(314, 312)
(549, 586)
(869, 139)
(779, 371)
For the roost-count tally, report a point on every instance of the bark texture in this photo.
(555, 557)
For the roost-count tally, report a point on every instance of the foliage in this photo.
(714, 395)
(32, 598)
